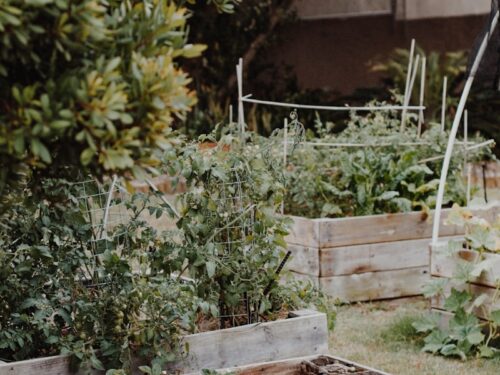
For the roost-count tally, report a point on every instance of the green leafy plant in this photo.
(106, 301)
(465, 335)
(94, 84)
(400, 176)
(233, 239)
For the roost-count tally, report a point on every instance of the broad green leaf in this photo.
(210, 265)
(457, 300)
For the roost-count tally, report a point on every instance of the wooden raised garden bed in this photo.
(304, 333)
(368, 257)
(312, 365)
(444, 266)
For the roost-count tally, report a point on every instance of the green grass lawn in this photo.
(380, 335)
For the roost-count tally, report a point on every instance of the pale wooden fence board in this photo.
(304, 259)
(443, 266)
(376, 285)
(347, 260)
(330, 250)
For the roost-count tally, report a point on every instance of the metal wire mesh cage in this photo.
(233, 224)
(234, 218)
(103, 206)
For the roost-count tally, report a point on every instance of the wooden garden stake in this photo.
(443, 104)
(241, 114)
(466, 166)
(407, 85)
(285, 144)
(422, 93)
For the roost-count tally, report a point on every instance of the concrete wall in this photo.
(404, 9)
(420, 9)
(334, 53)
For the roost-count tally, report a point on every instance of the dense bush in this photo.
(90, 83)
(102, 294)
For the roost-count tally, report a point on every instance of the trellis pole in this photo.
(108, 203)
(410, 89)
(455, 125)
(466, 151)
(407, 85)
(422, 93)
(285, 146)
(248, 99)
(443, 103)
(241, 114)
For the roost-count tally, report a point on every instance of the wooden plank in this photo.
(301, 277)
(304, 260)
(376, 285)
(380, 228)
(388, 227)
(260, 342)
(287, 367)
(438, 301)
(304, 232)
(56, 365)
(443, 265)
(347, 260)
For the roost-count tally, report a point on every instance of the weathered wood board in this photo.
(361, 230)
(287, 367)
(56, 365)
(443, 266)
(477, 290)
(347, 260)
(304, 333)
(370, 286)
(304, 260)
(347, 256)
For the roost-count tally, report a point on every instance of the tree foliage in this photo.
(93, 84)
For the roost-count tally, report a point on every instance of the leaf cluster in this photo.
(465, 334)
(390, 173)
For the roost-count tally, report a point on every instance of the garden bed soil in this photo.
(444, 266)
(369, 257)
(316, 365)
(305, 332)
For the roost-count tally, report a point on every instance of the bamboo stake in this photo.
(422, 93)
(443, 104)
(410, 90)
(473, 147)
(285, 145)
(247, 99)
(407, 85)
(241, 114)
(386, 144)
(454, 128)
(466, 136)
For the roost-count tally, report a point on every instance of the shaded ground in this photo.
(374, 334)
